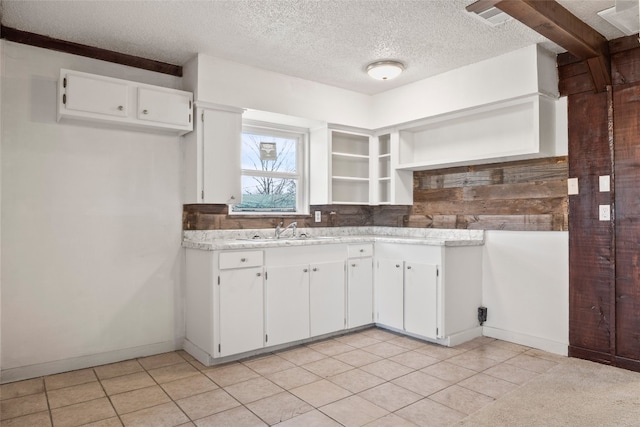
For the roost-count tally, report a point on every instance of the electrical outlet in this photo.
(604, 212)
(318, 216)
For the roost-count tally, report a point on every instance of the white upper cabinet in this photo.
(212, 156)
(89, 97)
(164, 106)
(89, 94)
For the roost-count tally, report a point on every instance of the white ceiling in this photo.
(328, 41)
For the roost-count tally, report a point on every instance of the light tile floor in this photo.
(372, 377)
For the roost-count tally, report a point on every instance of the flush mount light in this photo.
(385, 70)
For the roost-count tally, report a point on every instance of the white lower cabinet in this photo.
(360, 285)
(429, 291)
(241, 310)
(242, 301)
(360, 292)
(390, 293)
(326, 298)
(407, 295)
(287, 304)
(305, 292)
(224, 303)
(421, 299)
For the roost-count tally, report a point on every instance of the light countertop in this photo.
(264, 238)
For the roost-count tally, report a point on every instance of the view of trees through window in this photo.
(269, 173)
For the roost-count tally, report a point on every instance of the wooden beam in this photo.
(556, 23)
(32, 39)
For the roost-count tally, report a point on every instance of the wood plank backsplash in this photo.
(523, 195)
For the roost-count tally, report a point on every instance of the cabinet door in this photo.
(360, 292)
(164, 106)
(421, 299)
(389, 293)
(222, 133)
(287, 304)
(94, 95)
(241, 310)
(326, 298)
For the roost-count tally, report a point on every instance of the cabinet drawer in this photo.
(365, 249)
(240, 259)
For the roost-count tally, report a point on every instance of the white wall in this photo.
(526, 288)
(91, 227)
(230, 83)
(526, 71)
(518, 73)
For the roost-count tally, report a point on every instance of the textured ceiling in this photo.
(329, 41)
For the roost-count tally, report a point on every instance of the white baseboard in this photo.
(448, 341)
(74, 363)
(464, 336)
(544, 344)
(199, 354)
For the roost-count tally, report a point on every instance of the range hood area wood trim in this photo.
(32, 39)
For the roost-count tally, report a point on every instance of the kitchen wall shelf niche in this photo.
(350, 168)
(516, 129)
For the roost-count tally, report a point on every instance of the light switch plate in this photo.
(318, 216)
(604, 212)
(605, 183)
(572, 186)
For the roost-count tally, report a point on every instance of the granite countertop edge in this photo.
(204, 241)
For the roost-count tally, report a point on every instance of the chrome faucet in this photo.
(280, 230)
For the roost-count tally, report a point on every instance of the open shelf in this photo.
(519, 128)
(350, 168)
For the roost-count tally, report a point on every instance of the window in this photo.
(273, 170)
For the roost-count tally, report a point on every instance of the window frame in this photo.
(301, 135)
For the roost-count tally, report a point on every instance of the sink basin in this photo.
(285, 239)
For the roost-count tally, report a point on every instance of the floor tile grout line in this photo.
(412, 369)
(163, 390)
(46, 396)
(108, 398)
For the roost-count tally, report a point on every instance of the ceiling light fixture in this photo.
(385, 70)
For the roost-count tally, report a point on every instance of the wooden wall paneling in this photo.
(391, 216)
(216, 217)
(590, 251)
(454, 179)
(627, 219)
(521, 195)
(430, 221)
(533, 190)
(625, 67)
(574, 78)
(506, 222)
(495, 207)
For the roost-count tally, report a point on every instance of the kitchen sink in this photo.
(287, 238)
